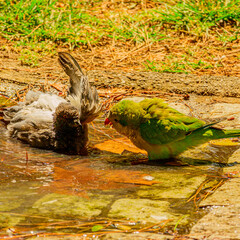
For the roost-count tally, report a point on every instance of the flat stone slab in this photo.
(110, 236)
(136, 236)
(61, 206)
(179, 185)
(144, 210)
(221, 223)
(223, 220)
(227, 195)
(140, 210)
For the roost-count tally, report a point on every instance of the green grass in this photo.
(176, 66)
(41, 20)
(202, 16)
(40, 25)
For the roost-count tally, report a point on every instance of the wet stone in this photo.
(109, 236)
(143, 210)
(67, 206)
(11, 199)
(9, 220)
(71, 237)
(172, 185)
(8, 200)
(227, 194)
(136, 236)
(16, 193)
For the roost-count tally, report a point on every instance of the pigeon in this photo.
(48, 121)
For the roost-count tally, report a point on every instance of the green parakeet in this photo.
(161, 130)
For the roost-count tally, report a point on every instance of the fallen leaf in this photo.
(118, 145)
(224, 142)
(97, 228)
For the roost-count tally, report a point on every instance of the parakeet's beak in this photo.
(108, 122)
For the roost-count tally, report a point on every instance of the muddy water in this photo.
(46, 192)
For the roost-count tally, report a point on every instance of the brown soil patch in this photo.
(119, 69)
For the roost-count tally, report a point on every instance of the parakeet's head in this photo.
(125, 115)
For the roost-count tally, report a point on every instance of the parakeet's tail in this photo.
(205, 134)
(81, 94)
(220, 133)
(199, 136)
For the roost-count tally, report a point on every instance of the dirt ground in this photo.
(16, 77)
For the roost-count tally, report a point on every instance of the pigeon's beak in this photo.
(108, 122)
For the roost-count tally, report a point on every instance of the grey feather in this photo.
(81, 95)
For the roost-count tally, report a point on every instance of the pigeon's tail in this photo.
(81, 95)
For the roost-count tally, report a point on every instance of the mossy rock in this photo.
(172, 185)
(66, 206)
(144, 210)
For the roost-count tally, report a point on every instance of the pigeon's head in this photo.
(71, 136)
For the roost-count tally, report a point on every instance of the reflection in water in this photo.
(42, 191)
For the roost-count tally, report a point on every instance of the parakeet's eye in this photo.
(115, 120)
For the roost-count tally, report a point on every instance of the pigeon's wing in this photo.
(33, 126)
(32, 120)
(81, 95)
(163, 124)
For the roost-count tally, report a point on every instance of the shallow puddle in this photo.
(46, 193)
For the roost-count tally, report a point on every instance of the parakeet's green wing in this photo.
(163, 124)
